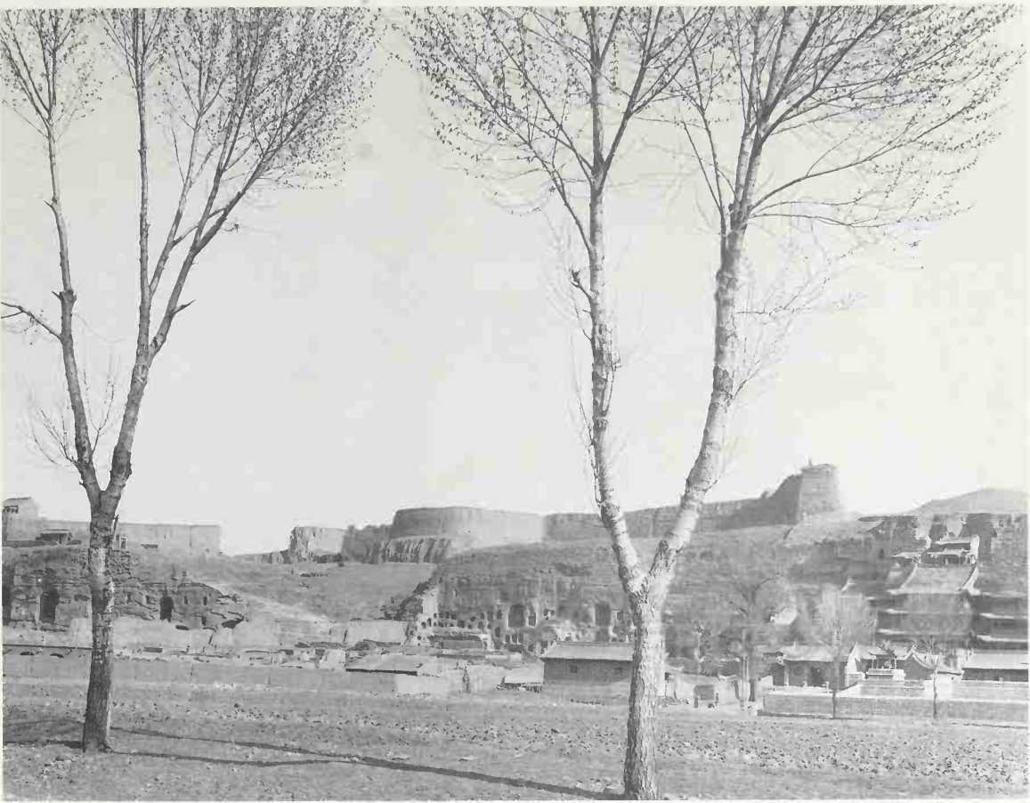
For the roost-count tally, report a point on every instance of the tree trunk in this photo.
(745, 679)
(97, 723)
(640, 774)
(834, 683)
(935, 695)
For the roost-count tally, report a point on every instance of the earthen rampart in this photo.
(22, 524)
(432, 535)
(468, 527)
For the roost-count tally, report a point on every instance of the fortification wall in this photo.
(468, 527)
(196, 539)
(818, 491)
(25, 525)
(435, 534)
(560, 527)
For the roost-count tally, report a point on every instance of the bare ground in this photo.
(174, 742)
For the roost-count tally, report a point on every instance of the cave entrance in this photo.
(48, 602)
(167, 606)
(517, 615)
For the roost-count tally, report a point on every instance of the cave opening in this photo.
(517, 615)
(48, 602)
(167, 606)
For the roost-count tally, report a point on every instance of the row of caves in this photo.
(47, 588)
(49, 602)
(535, 626)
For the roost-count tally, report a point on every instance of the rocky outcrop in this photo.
(312, 543)
(364, 544)
(411, 550)
(46, 587)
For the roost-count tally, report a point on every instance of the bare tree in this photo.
(841, 621)
(935, 651)
(549, 96)
(546, 98)
(844, 123)
(751, 587)
(248, 98)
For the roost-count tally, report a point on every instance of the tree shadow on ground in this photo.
(56, 730)
(46, 730)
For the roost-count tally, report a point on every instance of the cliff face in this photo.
(46, 587)
(364, 544)
(535, 595)
(311, 543)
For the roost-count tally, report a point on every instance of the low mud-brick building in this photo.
(588, 665)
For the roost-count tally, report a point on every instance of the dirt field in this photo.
(177, 742)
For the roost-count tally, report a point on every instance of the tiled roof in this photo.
(390, 662)
(936, 579)
(590, 651)
(531, 674)
(867, 652)
(806, 652)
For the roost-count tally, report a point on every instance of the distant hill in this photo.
(985, 500)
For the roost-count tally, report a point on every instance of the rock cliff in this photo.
(46, 587)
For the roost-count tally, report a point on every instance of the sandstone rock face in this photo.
(310, 543)
(411, 550)
(46, 588)
(535, 595)
(364, 544)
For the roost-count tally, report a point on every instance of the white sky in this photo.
(393, 342)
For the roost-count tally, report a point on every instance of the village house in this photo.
(572, 663)
(812, 665)
(921, 666)
(806, 665)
